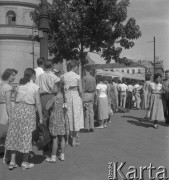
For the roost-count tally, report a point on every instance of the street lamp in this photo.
(154, 54)
(33, 46)
(43, 29)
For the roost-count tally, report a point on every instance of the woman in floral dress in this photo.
(73, 93)
(23, 119)
(58, 122)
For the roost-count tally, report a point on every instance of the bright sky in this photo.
(153, 18)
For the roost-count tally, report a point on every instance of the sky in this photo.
(153, 18)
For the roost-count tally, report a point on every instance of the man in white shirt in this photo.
(137, 95)
(46, 82)
(39, 70)
(122, 90)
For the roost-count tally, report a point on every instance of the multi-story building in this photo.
(17, 48)
(134, 68)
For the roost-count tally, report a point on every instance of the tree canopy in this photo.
(81, 26)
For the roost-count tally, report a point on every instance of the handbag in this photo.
(44, 135)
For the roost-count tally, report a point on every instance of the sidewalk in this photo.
(125, 139)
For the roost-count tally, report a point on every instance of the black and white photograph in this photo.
(84, 89)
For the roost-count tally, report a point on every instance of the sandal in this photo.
(27, 165)
(100, 127)
(62, 157)
(51, 159)
(12, 165)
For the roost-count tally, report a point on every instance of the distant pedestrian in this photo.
(114, 96)
(129, 95)
(165, 96)
(102, 103)
(145, 91)
(89, 90)
(123, 94)
(155, 101)
(136, 91)
(40, 69)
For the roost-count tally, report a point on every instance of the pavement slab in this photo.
(126, 139)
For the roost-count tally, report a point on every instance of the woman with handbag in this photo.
(23, 119)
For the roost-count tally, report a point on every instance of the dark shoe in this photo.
(91, 130)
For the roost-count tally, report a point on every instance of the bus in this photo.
(119, 76)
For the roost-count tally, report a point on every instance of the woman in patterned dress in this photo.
(5, 103)
(155, 101)
(58, 122)
(23, 119)
(73, 93)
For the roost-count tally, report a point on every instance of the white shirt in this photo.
(122, 87)
(38, 71)
(47, 82)
(27, 93)
(130, 88)
(102, 88)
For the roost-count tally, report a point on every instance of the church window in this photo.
(11, 18)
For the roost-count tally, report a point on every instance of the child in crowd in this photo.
(58, 123)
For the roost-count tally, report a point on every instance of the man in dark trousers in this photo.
(89, 89)
(165, 96)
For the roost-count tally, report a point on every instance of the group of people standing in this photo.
(65, 105)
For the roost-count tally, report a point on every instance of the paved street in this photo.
(125, 139)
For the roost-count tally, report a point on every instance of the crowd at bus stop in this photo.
(67, 104)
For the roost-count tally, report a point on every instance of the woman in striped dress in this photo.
(23, 119)
(73, 93)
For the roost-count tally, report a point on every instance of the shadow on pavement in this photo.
(143, 122)
(36, 159)
(139, 121)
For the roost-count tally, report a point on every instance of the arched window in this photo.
(11, 18)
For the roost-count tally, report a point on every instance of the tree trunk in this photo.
(64, 65)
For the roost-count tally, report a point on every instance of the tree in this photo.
(80, 26)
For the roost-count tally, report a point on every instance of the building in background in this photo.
(17, 48)
(149, 67)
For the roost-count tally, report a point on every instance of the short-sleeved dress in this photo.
(23, 119)
(74, 101)
(102, 102)
(4, 88)
(58, 122)
(145, 94)
(156, 106)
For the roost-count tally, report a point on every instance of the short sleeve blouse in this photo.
(4, 88)
(102, 88)
(155, 88)
(71, 79)
(27, 93)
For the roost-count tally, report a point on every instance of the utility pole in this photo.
(33, 47)
(44, 29)
(154, 55)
